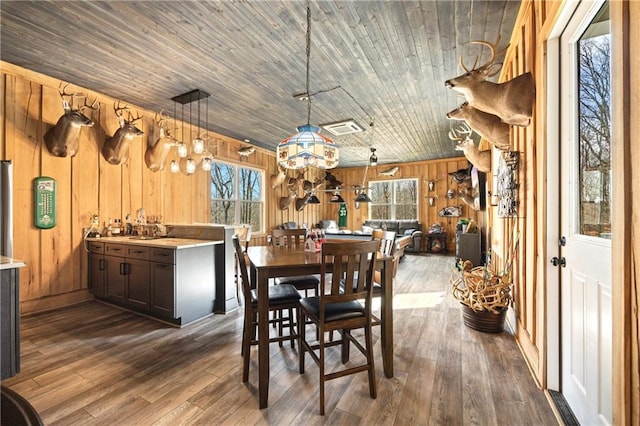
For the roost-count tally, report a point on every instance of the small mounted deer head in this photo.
(62, 139)
(480, 159)
(116, 148)
(489, 126)
(512, 100)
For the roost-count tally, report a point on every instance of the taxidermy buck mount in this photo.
(512, 100)
(62, 139)
(156, 153)
(116, 148)
(480, 159)
(292, 185)
(488, 126)
(277, 179)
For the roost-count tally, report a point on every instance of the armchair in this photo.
(415, 246)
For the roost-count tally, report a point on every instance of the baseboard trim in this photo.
(51, 303)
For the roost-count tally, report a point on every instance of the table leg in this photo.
(386, 335)
(263, 339)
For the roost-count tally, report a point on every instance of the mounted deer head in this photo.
(283, 202)
(470, 200)
(62, 139)
(480, 159)
(512, 100)
(156, 154)
(278, 179)
(116, 148)
(489, 126)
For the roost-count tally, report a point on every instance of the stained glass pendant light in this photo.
(307, 147)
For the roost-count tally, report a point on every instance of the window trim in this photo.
(392, 205)
(236, 200)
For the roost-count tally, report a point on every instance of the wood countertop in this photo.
(162, 242)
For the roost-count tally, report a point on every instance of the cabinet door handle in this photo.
(101, 263)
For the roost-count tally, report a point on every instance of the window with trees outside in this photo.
(237, 195)
(393, 199)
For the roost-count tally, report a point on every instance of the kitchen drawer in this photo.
(138, 252)
(95, 247)
(164, 255)
(112, 249)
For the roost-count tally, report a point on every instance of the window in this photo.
(394, 199)
(236, 195)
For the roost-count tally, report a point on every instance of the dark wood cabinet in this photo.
(127, 275)
(163, 281)
(10, 322)
(97, 268)
(173, 284)
(137, 284)
(115, 279)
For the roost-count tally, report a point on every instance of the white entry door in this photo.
(585, 223)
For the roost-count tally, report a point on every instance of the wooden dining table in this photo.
(270, 262)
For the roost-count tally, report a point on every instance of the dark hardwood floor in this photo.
(95, 364)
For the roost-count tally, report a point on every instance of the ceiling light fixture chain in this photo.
(308, 53)
(307, 147)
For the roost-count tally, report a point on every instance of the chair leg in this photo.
(372, 370)
(292, 328)
(345, 353)
(247, 335)
(279, 324)
(321, 368)
(301, 337)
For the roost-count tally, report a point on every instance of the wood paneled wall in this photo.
(56, 271)
(524, 229)
(527, 52)
(424, 171)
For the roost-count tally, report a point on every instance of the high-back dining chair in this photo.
(244, 235)
(339, 308)
(387, 246)
(280, 298)
(294, 238)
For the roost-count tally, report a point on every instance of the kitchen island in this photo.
(171, 279)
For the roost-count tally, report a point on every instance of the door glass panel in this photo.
(594, 126)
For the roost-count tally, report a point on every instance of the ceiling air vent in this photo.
(343, 127)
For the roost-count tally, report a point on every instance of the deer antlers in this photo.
(492, 48)
(118, 110)
(67, 104)
(463, 129)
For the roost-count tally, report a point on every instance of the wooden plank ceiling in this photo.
(380, 61)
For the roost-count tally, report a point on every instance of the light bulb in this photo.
(206, 164)
(175, 168)
(191, 166)
(198, 146)
(182, 150)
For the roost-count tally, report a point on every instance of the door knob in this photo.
(555, 261)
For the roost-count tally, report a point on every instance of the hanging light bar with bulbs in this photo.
(192, 151)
